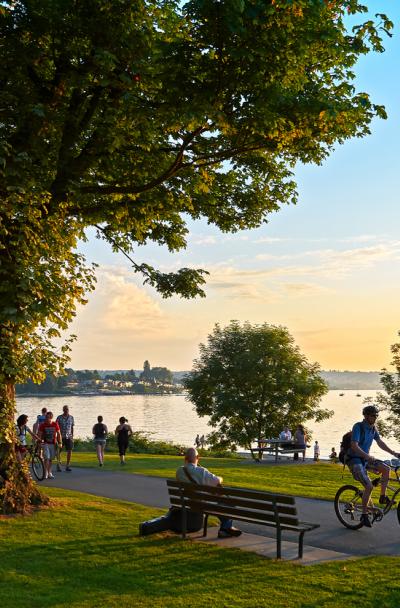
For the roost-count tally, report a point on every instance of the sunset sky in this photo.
(328, 269)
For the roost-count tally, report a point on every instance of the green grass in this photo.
(316, 480)
(84, 552)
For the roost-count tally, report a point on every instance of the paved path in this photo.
(382, 539)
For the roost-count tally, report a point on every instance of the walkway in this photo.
(382, 539)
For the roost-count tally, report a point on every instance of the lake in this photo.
(172, 417)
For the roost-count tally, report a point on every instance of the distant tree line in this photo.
(62, 384)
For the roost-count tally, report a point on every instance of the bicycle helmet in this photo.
(370, 409)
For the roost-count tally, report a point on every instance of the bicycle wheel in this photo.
(37, 467)
(348, 506)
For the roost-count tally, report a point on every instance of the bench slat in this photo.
(239, 502)
(233, 491)
(234, 513)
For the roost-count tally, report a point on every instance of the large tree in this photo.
(251, 380)
(132, 117)
(389, 401)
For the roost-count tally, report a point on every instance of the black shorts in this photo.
(68, 443)
(122, 446)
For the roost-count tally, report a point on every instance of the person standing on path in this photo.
(100, 437)
(316, 451)
(66, 423)
(49, 433)
(123, 432)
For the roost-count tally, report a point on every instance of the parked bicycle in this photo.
(348, 502)
(34, 459)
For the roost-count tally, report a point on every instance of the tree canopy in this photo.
(251, 380)
(131, 117)
(389, 401)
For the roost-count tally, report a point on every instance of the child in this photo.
(333, 455)
(316, 451)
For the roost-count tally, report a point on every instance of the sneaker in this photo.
(384, 500)
(68, 469)
(50, 476)
(229, 532)
(100, 464)
(46, 476)
(364, 519)
(59, 469)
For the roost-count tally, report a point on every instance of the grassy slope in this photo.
(85, 553)
(316, 480)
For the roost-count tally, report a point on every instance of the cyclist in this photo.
(360, 462)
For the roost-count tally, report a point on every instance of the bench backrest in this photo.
(254, 505)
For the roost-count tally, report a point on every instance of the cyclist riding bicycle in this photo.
(360, 462)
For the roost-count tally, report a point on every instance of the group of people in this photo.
(57, 435)
(200, 442)
(299, 439)
(52, 435)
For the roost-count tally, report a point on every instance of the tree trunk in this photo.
(18, 493)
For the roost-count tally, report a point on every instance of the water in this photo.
(172, 417)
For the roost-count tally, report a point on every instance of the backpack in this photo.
(345, 444)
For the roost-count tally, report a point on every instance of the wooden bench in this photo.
(241, 504)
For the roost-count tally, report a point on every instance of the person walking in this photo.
(49, 433)
(316, 451)
(123, 432)
(39, 419)
(66, 423)
(100, 437)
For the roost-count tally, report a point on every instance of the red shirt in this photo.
(49, 431)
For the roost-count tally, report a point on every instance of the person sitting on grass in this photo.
(333, 455)
(191, 472)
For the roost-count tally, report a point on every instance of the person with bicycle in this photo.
(21, 430)
(359, 461)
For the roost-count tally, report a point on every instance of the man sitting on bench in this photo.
(191, 472)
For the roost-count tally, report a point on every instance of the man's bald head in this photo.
(191, 455)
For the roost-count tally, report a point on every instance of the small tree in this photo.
(252, 380)
(390, 400)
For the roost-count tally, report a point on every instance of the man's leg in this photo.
(380, 467)
(58, 454)
(226, 529)
(360, 474)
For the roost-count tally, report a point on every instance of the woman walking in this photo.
(123, 432)
(100, 437)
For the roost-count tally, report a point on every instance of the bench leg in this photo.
(184, 523)
(301, 537)
(205, 525)
(278, 543)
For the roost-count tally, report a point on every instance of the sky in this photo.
(327, 268)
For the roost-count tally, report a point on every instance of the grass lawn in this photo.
(84, 552)
(316, 480)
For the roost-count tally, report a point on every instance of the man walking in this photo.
(191, 472)
(49, 433)
(66, 424)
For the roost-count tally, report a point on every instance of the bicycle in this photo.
(348, 502)
(35, 461)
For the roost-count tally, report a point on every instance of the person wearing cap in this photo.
(360, 462)
(66, 423)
